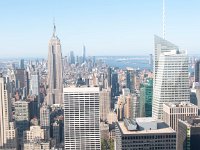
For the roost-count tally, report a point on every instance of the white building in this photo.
(172, 112)
(171, 82)
(81, 118)
(34, 83)
(8, 132)
(55, 74)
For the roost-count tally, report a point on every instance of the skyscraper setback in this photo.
(55, 74)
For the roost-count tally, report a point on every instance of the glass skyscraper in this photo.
(171, 82)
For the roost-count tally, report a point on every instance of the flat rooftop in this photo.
(161, 128)
(181, 104)
(82, 89)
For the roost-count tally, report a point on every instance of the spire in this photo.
(163, 19)
(54, 28)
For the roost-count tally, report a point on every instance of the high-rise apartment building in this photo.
(55, 71)
(188, 134)
(172, 112)
(8, 132)
(144, 133)
(171, 82)
(81, 118)
(105, 103)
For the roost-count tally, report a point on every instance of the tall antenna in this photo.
(163, 19)
(54, 27)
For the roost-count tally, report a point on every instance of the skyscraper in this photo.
(105, 103)
(114, 85)
(146, 96)
(55, 74)
(130, 79)
(8, 137)
(45, 120)
(81, 118)
(22, 117)
(197, 71)
(171, 82)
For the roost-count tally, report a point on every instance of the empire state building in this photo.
(55, 74)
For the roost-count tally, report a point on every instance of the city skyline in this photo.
(103, 27)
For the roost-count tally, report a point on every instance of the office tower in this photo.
(172, 112)
(188, 134)
(8, 132)
(114, 85)
(21, 78)
(21, 117)
(45, 119)
(22, 64)
(135, 105)
(72, 58)
(197, 71)
(34, 83)
(81, 118)
(56, 132)
(34, 108)
(105, 103)
(144, 133)
(109, 73)
(55, 71)
(130, 79)
(84, 54)
(146, 96)
(171, 76)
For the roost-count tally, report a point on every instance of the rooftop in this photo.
(146, 125)
(181, 104)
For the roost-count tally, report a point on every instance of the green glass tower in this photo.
(146, 94)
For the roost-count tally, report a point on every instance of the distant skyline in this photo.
(105, 27)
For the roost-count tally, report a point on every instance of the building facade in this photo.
(55, 71)
(188, 134)
(8, 132)
(81, 118)
(105, 103)
(144, 133)
(171, 76)
(172, 112)
(146, 96)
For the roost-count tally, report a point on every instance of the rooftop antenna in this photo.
(163, 19)
(54, 27)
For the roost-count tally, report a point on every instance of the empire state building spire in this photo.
(54, 28)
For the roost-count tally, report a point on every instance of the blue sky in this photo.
(106, 27)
